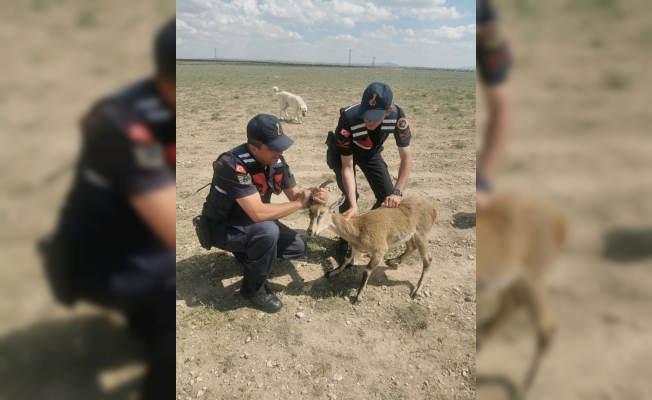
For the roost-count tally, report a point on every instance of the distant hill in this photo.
(387, 64)
(472, 68)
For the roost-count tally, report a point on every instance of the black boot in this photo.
(260, 296)
(344, 249)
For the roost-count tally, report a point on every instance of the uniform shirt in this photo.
(128, 149)
(352, 137)
(237, 174)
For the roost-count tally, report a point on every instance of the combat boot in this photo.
(261, 296)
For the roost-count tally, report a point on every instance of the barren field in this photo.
(388, 346)
(581, 85)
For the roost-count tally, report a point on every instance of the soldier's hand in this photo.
(320, 195)
(351, 212)
(305, 198)
(392, 201)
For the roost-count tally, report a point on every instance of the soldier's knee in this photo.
(266, 232)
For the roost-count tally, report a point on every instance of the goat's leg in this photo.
(538, 303)
(285, 109)
(346, 262)
(409, 248)
(376, 258)
(506, 308)
(424, 252)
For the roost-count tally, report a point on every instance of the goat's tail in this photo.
(433, 213)
(275, 89)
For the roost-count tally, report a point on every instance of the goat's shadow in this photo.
(63, 359)
(627, 244)
(215, 278)
(463, 220)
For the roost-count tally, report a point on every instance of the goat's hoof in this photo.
(356, 300)
(327, 274)
(414, 295)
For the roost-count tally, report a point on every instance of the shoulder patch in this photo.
(139, 133)
(149, 156)
(244, 179)
(402, 124)
(345, 133)
(239, 168)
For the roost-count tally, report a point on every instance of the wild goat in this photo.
(518, 238)
(378, 230)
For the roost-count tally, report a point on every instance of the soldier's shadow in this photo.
(215, 278)
(81, 358)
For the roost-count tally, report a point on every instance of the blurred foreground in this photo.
(581, 140)
(58, 58)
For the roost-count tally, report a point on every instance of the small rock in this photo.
(200, 393)
(457, 254)
(300, 314)
(384, 287)
(346, 298)
(199, 379)
(468, 299)
(307, 288)
(192, 381)
(332, 396)
(464, 374)
(270, 364)
(337, 377)
(304, 391)
(194, 300)
(471, 257)
(248, 339)
(348, 322)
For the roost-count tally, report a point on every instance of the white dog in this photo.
(287, 99)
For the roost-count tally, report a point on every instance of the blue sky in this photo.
(424, 33)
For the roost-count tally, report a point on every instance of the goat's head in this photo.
(304, 110)
(321, 214)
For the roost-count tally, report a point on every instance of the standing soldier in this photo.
(494, 60)
(358, 140)
(115, 241)
(239, 215)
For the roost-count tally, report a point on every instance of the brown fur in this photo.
(518, 238)
(378, 230)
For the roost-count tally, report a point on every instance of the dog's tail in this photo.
(275, 89)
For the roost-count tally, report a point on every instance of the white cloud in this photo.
(272, 29)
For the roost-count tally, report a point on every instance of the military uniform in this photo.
(237, 174)
(353, 139)
(494, 59)
(102, 250)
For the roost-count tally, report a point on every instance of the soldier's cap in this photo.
(165, 50)
(267, 129)
(376, 99)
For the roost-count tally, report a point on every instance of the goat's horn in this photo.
(328, 182)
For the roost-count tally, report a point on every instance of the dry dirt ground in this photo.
(581, 85)
(388, 346)
(58, 57)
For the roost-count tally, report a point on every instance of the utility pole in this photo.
(349, 58)
(215, 53)
(373, 63)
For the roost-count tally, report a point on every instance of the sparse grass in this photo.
(458, 144)
(329, 304)
(87, 18)
(413, 317)
(228, 363)
(615, 80)
(216, 116)
(323, 368)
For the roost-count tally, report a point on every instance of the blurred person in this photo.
(238, 216)
(115, 241)
(358, 140)
(493, 58)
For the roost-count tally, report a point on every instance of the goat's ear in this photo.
(338, 203)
